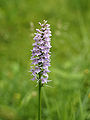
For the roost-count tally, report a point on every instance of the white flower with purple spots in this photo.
(41, 53)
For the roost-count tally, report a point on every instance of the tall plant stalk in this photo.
(39, 101)
(41, 58)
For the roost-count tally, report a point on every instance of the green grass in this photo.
(68, 97)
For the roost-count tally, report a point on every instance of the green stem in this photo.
(39, 100)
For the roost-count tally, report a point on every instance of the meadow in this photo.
(67, 97)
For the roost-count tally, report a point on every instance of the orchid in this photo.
(41, 53)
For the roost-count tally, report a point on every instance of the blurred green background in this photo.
(68, 97)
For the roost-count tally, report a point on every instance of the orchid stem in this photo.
(39, 100)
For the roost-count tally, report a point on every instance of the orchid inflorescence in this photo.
(41, 53)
